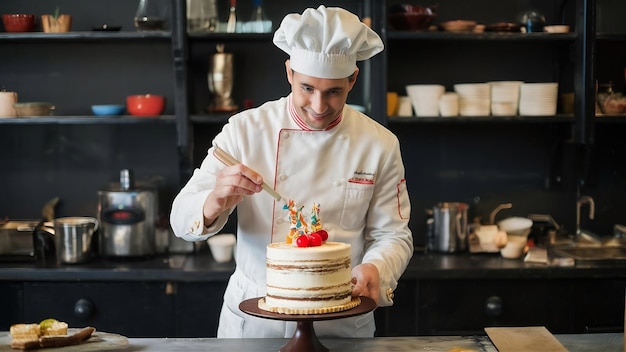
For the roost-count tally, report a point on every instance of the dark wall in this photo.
(74, 161)
(532, 165)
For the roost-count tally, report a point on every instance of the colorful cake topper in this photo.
(300, 234)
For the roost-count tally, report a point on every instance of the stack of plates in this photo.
(474, 99)
(538, 99)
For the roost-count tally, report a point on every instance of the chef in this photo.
(313, 148)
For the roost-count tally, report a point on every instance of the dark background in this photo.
(535, 164)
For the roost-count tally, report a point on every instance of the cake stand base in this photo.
(304, 338)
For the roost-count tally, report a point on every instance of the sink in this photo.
(592, 253)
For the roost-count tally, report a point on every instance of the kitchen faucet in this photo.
(580, 233)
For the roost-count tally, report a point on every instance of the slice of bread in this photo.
(25, 336)
(25, 331)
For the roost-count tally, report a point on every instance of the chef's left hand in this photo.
(366, 281)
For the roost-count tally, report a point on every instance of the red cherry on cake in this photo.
(302, 241)
(323, 234)
(315, 239)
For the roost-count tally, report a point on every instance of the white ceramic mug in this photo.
(405, 109)
(222, 247)
(7, 100)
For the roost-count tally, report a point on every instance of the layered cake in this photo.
(307, 274)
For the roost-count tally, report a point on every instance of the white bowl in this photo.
(516, 226)
(425, 90)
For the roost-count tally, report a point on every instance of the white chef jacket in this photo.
(353, 169)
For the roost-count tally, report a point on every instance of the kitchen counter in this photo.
(190, 288)
(573, 342)
(200, 267)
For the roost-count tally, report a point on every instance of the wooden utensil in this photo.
(229, 160)
(56, 340)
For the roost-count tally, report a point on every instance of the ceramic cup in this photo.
(405, 109)
(7, 101)
(449, 105)
(512, 251)
(392, 103)
(222, 247)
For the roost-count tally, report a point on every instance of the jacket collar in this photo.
(303, 126)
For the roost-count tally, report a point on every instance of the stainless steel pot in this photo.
(16, 237)
(449, 227)
(128, 217)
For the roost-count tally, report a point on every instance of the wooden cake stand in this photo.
(304, 338)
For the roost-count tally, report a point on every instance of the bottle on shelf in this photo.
(259, 22)
(231, 25)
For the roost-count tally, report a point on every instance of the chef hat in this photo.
(326, 42)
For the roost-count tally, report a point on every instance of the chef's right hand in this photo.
(232, 183)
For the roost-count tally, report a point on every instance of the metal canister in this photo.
(450, 227)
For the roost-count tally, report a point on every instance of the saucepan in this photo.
(73, 238)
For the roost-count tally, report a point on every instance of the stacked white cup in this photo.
(425, 98)
(449, 104)
(474, 99)
(505, 97)
(404, 107)
(538, 99)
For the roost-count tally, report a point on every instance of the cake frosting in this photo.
(311, 279)
(307, 274)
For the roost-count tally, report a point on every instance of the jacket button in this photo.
(390, 294)
(284, 135)
(282, 177)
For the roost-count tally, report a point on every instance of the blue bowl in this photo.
(108, 110)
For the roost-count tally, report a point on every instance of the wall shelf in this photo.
(69, 120)
(488, 36)
(215, 118)
(563, 118)
(230, 37)
(84, 36)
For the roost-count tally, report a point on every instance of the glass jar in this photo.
(151, 15)
(202, 16)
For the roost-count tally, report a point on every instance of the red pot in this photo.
(145, 105)
(18, 22)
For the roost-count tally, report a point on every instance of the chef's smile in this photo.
(319, 101)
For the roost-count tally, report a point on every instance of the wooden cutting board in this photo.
(524, 339)
(99, 341)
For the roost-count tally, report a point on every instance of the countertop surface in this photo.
(200, 267)
(573, 343)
